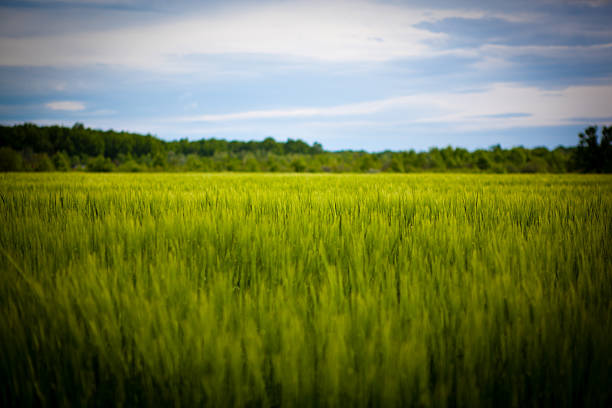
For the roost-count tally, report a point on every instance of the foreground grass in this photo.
(305, 290)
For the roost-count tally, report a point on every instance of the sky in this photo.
(362, 75)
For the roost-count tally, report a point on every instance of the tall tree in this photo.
(594, 154)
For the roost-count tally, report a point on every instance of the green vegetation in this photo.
(305, 290)
(594, 154)
(32, 148)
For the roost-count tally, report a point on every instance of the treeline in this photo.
(29, 147)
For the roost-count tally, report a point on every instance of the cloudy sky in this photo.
(370, 75)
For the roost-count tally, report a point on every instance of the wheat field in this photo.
(305, 290)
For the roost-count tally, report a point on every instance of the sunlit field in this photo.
(305, 290)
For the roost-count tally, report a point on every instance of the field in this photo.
(305, 290)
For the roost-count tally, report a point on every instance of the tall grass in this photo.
(305, 290)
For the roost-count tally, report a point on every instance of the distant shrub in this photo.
(131, 166)
(61, 161)
(535, 165)
(42, 162)
(100, 164)
(483, 163)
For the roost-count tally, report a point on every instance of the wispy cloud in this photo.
(496, 107)
(66, 106)
(363, 108)
(499, 106)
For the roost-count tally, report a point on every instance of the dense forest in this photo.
(29, 147)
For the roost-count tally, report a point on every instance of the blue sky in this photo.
(371, 75)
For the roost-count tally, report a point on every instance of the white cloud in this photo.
(337, 31)
(66, 106)
(329, 31)
(537, 107)
(500, 106)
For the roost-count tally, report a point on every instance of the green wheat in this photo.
(305, 290)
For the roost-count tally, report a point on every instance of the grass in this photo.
(305, 290)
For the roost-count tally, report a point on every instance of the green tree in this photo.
(193, 163)
(366, 162)
(317, 148)
(535, 165)
(483, 162)
(61, 161)
(593, 155)
(396, 164)
(41, 162)
(298, 164)
(131, 166)
(100, 164)
(10, 160)
(270, 145)
(159, 160)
